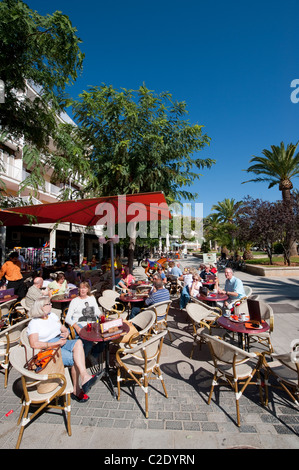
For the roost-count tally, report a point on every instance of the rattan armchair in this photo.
(268, 316)
(141, 364)
(31, 397)
(235, 367)
(161, 310)
(112, 308)
(201, 322)
(285, 369)
(9, 338)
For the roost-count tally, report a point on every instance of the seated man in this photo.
(158, 294)
(206, 272)
(233, 288)
(35, 292)
(176, 271)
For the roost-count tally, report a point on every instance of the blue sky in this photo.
(231, 61)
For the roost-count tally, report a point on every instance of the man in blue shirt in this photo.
(176, 271)
(233, 288)
(158, 294)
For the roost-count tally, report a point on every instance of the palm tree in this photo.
(278, 166)
(225, 214)
(226, 210)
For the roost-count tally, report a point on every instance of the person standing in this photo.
(11, 269)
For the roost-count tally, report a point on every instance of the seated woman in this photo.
(190, 290)
(59, 285)
(196, 285)
(45, 330)
(77, 317)
(160, 271)
(125, 282)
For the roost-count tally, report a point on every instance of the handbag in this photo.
(48, 361)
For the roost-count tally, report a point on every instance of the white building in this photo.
(13, 172)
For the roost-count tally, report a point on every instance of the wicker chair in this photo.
(285, 369)
(231, 364)
(42, 400)
(141, 364)
(161, 310)
(9, 338)
(112, 294)
(143, 322)
(268, 316)
(110, 307)
(202, 323)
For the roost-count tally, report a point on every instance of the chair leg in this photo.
(25, 409)
(214, 382)
(145, 389)
(68, 413)
(118, 382)
(6, 366)
(158, 371)
(237, 401)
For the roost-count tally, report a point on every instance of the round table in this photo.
(240, 328)
(212, 297)
(132, 298)
(96, 336)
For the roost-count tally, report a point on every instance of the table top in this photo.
(135, 285)
(96, 335)
(12, 297)
(62, 299)
(239, 327)
(213, 297)
(132, 298)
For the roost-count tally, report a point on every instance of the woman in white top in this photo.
(45, 330)
(77, 319)
(195, 286)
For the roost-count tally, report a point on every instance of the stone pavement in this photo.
(184, 420)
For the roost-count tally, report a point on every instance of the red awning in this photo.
(9, 218)
(90, 212)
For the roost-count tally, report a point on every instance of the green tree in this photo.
(226, 210)
(42, 51)
(225, 215)
(278, 166)
(140, 142)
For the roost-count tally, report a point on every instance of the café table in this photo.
(8, 299)
(128, 299)
(96, 336)
(242, 329)
(212, 298)
(208, 284)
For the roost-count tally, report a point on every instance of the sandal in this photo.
(87, 386)
(82, 398)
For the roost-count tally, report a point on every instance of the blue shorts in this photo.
(66, 350)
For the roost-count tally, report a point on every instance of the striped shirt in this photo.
(161, 295)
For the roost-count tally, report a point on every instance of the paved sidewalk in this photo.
(184, 420)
